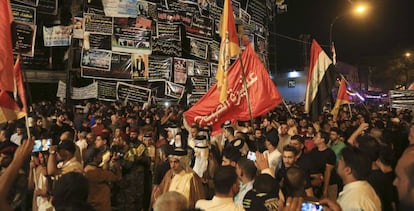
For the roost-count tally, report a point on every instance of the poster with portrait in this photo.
(198, 48)
(132, 93)
(139, 65)
(146, 9)
(24, 13)
(57, 36)
(214, 50)
(213, 68)
(130, 39)
(77, 23)
(26, 34)
(174, 90)
(180, 70)
(201, 68)
(159, 68)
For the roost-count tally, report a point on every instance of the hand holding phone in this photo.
(311, 206)
(251, 156)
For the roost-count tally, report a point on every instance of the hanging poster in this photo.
(26, 34)
(116, 8)
(77, 23)
(97, 23)
(47, 7)
(168, 31)
(236, 8)
(198, 48)
(260, 44)
(190, 67)
(214, 51)
(257, 11)
(199, 85)
(130, 39)
(97, 41)
(120, 69)
(146, 9)
(128, 92)
(159, 68)
(78, 93)
(166, 47)
(96, 59)
(143, 23)
(201, 27)
(180, 70)
(57, 36)
(244, 16)
(106, 90)
(215, 12)
(193, 98)
(139, 65)
(201, 68)
(24, 13)
(258, 29)
(168, 16)
(174, 90)
(28, 2)
(213, 68)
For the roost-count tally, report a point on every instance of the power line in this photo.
(294, 39)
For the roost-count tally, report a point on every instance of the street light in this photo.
(358, 10)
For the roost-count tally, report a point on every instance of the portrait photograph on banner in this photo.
(174, 90)
(130, 39)
(139, 64)
(180, 70)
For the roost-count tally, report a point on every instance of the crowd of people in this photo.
(122, 156)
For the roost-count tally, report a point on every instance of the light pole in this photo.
(358, 11)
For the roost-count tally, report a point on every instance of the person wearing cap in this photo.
(62, 159)
(181, 178)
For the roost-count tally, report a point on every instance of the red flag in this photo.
(9, 110)
(6, 47)
(20, 85)
(341, 99)
(229, 47)
(263, 94)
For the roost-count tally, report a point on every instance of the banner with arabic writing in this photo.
(262, 92)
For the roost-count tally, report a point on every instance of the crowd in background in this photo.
(121, 156)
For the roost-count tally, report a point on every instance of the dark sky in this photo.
(387, 31)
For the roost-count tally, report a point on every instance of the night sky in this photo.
(387, 31)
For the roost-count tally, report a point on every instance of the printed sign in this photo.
(180, 70)
(168, 31)
(96, 59)
(166, 47)
(174, 90)
(159, 68)
(81, 93)
(57, 36)
(26, 34)
(96, 23)
(106, 90)
(201, 68)
(402, 99)
(24, 14)
(199, 85)
(116, 8)
(198, 48)
(128, 38)
(47, 6)
(128, 92)
(139, 65)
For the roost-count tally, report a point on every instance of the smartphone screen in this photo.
(251, 156)
(311, 206)
(42, 145)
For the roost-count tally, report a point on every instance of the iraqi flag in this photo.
(342, 98)
(262, 92)
(321, 79)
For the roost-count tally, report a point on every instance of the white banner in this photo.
(87, 92)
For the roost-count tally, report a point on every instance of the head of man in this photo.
(271, 142)
(230, 156)
(245, 169)
(404, 180)
(66, 150)
(284, 129)
(334, 134)
(100, 141)
(172, 201)
(321, 138)
(228, 132)
(225, 181)
(354, 165)
(90, 138)
(6, 155)
(266, 122)
(3, 135)
(39, 122)
(258, 133)
(289, 156)
(298, 142)
(178, 160)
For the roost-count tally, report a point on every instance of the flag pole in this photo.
(23, 75)
(284, 103)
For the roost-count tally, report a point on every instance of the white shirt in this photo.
(244, 188)
(359, 195)
(218, 204)
(273, 158)
(16, 138)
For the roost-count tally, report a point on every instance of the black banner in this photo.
(97, 23)
(23, 13)
(201, 27)
(166, 47)
(159, 68)
(100, 41)
(106, 90)
(47, 7)
(128, 92)
(257, 11)
(214, 51)
(201, 68)
(25, 38)
(198, 48)
(168, 31)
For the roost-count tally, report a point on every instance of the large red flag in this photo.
(229, 47)
(342, 98)
(6, 47)
(9, 110)
(263, 94)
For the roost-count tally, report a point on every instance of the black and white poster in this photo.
(198, 48)
(199, 85)
(96, 59)
(236, 7)
(190, 67)
(168, 15)
(215, 12)
(97, 41)
(26, 34)
(128, 92)
(96, 23)
(168, 31)
(106, 90)
(159, 68)
(257, 11)
(201, 27)
(244, 16)
(130, 39)
(166, 47)
(180, 70)
(24, 13)
(174, 90)
(47, 7)
(201, 68)
(120, 69)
